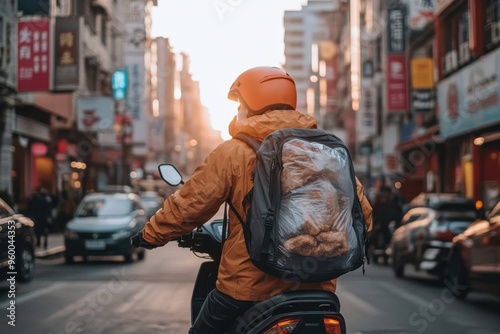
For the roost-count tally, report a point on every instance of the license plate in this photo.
(95, 244)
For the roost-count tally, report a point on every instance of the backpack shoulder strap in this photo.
(251, 141)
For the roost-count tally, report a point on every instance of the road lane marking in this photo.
(35, 294)
(71, 309)
(405, 295)
(358, 302)
(137, 298)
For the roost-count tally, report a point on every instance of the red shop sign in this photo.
(39, 149)
(397, 83)
(33, 55)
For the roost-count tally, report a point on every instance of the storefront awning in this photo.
(427, 135)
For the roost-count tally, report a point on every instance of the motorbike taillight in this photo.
(332, 326)
(284, 326)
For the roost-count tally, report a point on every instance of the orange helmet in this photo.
(264, 88)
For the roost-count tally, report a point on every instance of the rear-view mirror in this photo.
(170, 174)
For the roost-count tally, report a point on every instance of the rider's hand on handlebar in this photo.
(138, 241)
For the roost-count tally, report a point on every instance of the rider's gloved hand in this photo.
(138, 241)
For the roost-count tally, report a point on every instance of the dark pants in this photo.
(218, 313)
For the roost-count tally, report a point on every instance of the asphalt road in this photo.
(153, 296)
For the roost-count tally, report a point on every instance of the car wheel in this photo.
(69, 259)
(457, 276)
(141, 254)
(397, 266)
(128, 257)
(25, 265)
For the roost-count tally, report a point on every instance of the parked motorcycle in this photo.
(297, 312)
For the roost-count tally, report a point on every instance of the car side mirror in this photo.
(170, 174)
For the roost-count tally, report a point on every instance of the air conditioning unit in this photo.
(495, 32)
(464, 53)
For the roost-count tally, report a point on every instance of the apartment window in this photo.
(456, 41)
(492, 24)
(8, 44)
(105, 84)
(91, 74)
(84, 8)
(1, 31)
(294, 44)
(104, 29)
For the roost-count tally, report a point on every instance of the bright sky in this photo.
(223, 38)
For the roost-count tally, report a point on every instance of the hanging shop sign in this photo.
(396, 30)
(397, 83)
(39, 149)
(423, 100)
(33, 55)
(421, 13)
(95, 113)
(470, 99)
(67, 50)
(119, 84)
(422, 74)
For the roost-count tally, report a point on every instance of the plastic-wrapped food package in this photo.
(317, 198)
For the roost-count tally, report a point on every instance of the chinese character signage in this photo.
(396, 29)
(397, 87)
(119, 84)
(470, 98)
(33, 55)
(66, 53)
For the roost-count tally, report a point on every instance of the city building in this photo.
(467, 37)
(304, 28)
(8, 21)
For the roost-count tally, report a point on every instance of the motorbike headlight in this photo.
(120, 234)
(70, 234)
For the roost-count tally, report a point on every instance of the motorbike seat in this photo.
(289, 303)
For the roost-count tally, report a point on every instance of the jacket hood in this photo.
(260, 126)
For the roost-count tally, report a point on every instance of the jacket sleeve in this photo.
(365, 205)
(196, 202)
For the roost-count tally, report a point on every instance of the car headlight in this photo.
(70, 234)
(121, 234)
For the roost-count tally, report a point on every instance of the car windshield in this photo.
(104, 207)
(459, 215)
(149, 198)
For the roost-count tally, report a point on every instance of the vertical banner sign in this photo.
(33, 55)
(396, 29)
(397, 87)
(135, 53)
(422, 83)
(119, 83)
(67, 42)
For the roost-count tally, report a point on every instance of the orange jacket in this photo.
(226, 172)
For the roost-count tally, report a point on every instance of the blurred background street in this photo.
(95, 94)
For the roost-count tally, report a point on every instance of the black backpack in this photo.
(305, 222)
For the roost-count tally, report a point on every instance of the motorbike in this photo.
(379, 243)
(297, 312)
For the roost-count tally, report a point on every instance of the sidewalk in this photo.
(56, 246)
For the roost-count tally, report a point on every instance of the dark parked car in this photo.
(103, 224)
(152, 202)
(475, 257)
(424, 236)
(22, 247)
